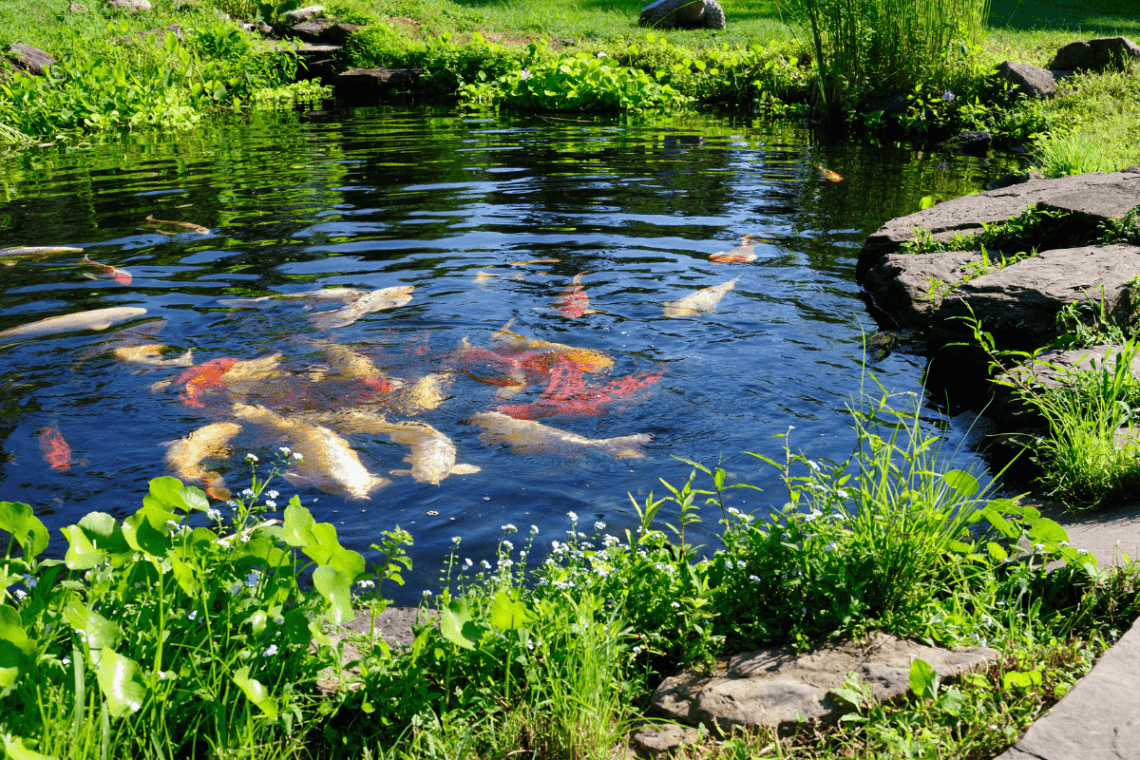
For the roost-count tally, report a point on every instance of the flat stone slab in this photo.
(31, 59)
(1107, 534)
(1092, 198)
(1099, 719)
(1097, 55)
(660, 740)
(1032, 81)
(777, 688)
(369, 85)
(908, 287)
(1019, 304)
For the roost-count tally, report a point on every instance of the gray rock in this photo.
(661, 739)
(683, 14)
(1010, 180)
(908, 287)
(323, 31)
(31, 59)
(1019, 304)
(1033, 81)
(158, 36)
(1099, 719)
(1097, 55)
(1093, 198)
(304, 14)
(76, 8)
(369, 85)
(1049, 369)
(778, 689)
(972, 143)
(320, 61)
(130, 6)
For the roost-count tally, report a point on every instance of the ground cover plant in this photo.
(185, 631)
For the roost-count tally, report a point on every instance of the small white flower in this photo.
(468, 562)
(813, 465)
(252, 457)
(534, 529)
(675, 604)
(247, 492)
(573, 517)
(31, 581)
(754, 578)
(829, 547)
(66, 660)
(366, 584)
(599, 525)
(455, 539)
(733, 511)
(274, 494)
(298, 456)
(284, 450)
(272, 650)
(601, 54)
(1039, 547)
(525, 74)
(510, 527)
(427, 592)
(636, 650)
(171, 524)
(815, 513)
(509, 545)
(21, 594)
(213, 514)
(270, 503)
(485, 564)
(193, 615)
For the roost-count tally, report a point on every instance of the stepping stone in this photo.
(908, 287)
(370, 85)
(1032, 81)
(1092, 198)
(1097, 55)
(776, 688)
(31, 59)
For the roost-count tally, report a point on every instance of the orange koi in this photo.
(567, 396)
(121, 276)
(534, 261)
(827, 174)
(201, 377)
(574, 302)
(56, 451)
(742, 254)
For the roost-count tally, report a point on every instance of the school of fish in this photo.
(338, 392)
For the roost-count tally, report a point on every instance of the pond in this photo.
(539, 254)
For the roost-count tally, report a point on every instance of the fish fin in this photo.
(465, 469)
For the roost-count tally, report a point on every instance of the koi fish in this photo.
(198, 379)
(424, 395)
(568, 396)
(377, 300)
(151, 355)
(534, 261)
(327, 462)
(8, 254)
(574, 302)
(741, 254)
(703, 300)
(56, 451)
(344, 295)
(527, 437)
(354, 365)
(121, 276)
(185, 456)
(827, 174)
(182, 226)
(588, 356)
(97, 319)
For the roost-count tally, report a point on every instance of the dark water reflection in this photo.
(377, 198)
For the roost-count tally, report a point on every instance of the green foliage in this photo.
(1123, 230)
(192, 637)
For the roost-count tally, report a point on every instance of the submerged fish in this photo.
(34, 250)
(344, 295)
(121, 276)
(527, 437)
(185, 456)
(827, 174)
(56, 451)
(151, 355)
(183, 226)
(424, 395)
(377, 300)
(353, 364)
(587, 356)
(574, 302)
(97, 319)
(741, 254)
(534, 261)
(327, 462)
(206, 375)
(703, 300)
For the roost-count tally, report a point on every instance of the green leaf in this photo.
(185, 575)
(145, 530)
(194, 498)
(923, 679)
(337, 588)
(256, 692)
(996, 551)
(508, 613)
(81, 553)
(118, 680)
(452, 620)
(1047, 531)
(325, 549)
(14, 749)
(101, 633)
(851, 697)
(962, 482)
(165, 492)
(17, 519)
(15, 646)
(298, 527)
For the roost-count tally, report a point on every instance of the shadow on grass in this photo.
(1093, 18)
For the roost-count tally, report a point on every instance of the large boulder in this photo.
(683, 14)
(1090, 199)
(322, 31)
(1018, 305)
(1096, 55)
(1032, 81)
(130, 6)
(370, 85)
(31, 59)
(776, 688)
(908, 287)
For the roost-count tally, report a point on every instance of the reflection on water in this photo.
(473, 321)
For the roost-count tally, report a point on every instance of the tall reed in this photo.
(885, 45)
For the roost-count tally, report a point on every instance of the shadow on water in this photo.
(456, 207)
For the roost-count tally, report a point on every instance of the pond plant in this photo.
(187, 631)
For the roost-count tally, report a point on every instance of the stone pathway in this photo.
(1100, 718)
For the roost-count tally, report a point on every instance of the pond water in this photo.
(453, 205)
